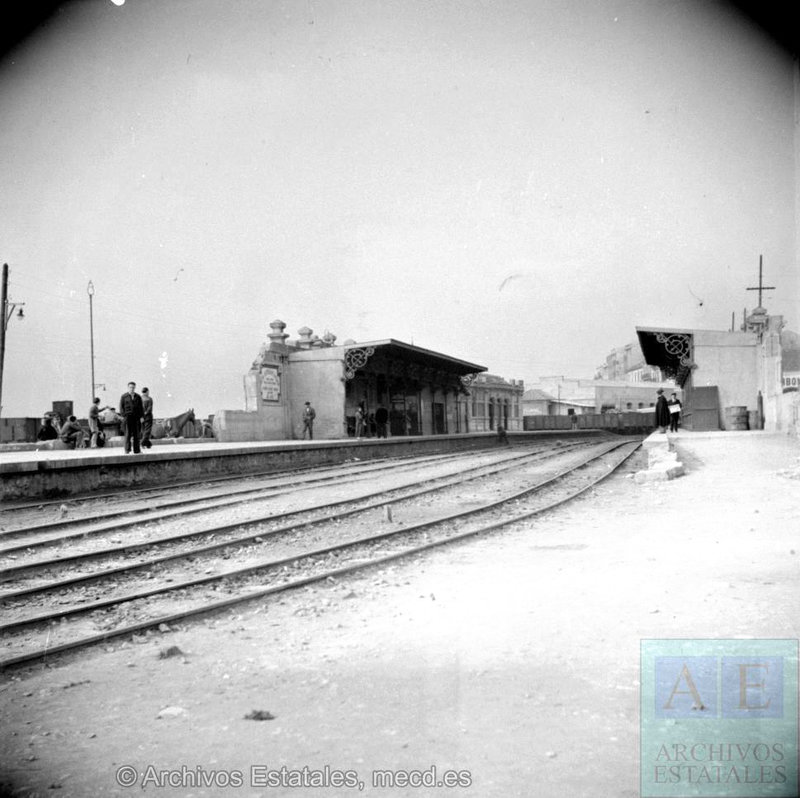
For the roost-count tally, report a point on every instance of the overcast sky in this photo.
(517, 183)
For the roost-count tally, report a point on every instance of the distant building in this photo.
(495, 402)
(567, 396)
(627, 364)
(536, 402)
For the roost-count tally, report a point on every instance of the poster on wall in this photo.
(791, 379)
(270, 384)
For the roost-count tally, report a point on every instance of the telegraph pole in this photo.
(7, 309)
(90, 291)
(761, 287)
(3, 331)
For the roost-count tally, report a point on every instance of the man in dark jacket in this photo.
(147, 418)
(309, 414)
(72, 434)
(131, 409)
(662, 411)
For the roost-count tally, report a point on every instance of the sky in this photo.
(517, 183)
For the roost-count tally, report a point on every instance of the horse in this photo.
(176, 427)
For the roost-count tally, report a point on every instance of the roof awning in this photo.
(670, 349)
(358, 355)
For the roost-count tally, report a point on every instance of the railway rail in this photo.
(33, 538)
(129, 598)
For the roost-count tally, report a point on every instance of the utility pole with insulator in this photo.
(8, 309)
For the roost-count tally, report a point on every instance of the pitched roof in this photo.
(537, 395)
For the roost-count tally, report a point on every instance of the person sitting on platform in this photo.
(47, 432)
(72, 434)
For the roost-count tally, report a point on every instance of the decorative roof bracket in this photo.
(355, 359)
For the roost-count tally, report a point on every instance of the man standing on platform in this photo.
(94, 422)
(381, 420)
(147, 418)
(308, 421)
(130, 408)
(674, 412)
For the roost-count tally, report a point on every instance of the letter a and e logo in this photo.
(719, 718)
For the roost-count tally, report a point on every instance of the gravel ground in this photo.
(511, 661)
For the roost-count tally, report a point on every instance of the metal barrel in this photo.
(736, 418)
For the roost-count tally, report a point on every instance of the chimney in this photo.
(277, 336)
(305, 341)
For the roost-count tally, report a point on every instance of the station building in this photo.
(730, 379)
(424, 392)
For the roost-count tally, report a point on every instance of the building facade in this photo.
(723, 372)
(627, 364)
(567, 396)
(422, 392)
(495, 402)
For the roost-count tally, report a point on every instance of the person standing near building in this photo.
(130, 408)
(361, 420)
(675, 407)
(309, 415)
(381, 420)
(147, 418)
(662, 411)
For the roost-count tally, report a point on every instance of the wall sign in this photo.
(791, 379)
(270, 384)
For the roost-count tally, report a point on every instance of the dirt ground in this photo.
(511, 661)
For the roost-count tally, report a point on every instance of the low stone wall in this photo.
(239, 426)
(87, 472)
(662, 459)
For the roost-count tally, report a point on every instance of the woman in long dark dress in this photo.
(662, 411)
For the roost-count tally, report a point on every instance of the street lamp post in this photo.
(90, 291)
(8, 309)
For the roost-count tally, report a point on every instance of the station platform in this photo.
(29, 474)
(663, 456)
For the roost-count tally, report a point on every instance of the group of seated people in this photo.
(70, 432)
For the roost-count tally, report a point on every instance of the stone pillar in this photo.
(305, 341)
(277, 336)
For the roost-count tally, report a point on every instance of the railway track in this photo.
(251, 481)
(127, 599)
(141, 505)
(27, 540)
